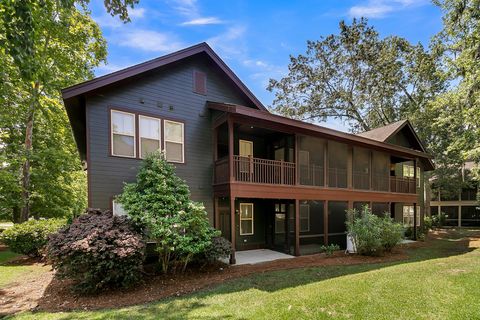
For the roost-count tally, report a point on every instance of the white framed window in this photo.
(174, 141)
(304, 217)
(409, 171)
(246, 219)
(123, 134)
(118, 209)
(408, 216)
(149, 132)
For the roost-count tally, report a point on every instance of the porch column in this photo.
(230, 148)
(415, 203)
(232, 229)
(325, 222)
(297, 227)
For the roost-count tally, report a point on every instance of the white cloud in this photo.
(148, 40)
(230, 43)
(136, 13)
(381, 8)
(202, 21)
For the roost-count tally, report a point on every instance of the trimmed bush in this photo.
(219, 248)
(30, 237)
(373, 235)
(98, 251)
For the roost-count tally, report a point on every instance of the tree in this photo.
(160, 202)
(51, 44)
(357, 77)
(459, 45)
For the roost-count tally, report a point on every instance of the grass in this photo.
(436, 282)
(11, 273)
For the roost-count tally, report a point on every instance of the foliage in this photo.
(220, 248)
(44, 47)
(391, 232)
(438, 220)
(160, 201)
(30, 237)
(98, 250)
(358, 77)
(330, 249)
(372, 235)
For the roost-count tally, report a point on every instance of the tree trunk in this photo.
(25, 213)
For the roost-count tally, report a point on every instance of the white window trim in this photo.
(123, 134)
(159, 120)
(165, 139)
(410, 215)
(247, 219)
(113, 209)
(308, 218)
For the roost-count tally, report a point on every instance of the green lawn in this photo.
(437, 282)
(12, 273)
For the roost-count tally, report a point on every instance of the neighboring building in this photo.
(461, 209)
(266, 181)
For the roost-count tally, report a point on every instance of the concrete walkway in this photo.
(258, 256)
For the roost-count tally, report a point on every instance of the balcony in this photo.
(275, 172)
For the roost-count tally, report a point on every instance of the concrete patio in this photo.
(259, 256)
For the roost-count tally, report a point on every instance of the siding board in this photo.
(170, 87)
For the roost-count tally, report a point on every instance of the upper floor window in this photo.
(123, 134)
(409, 171)
(149, 135)
(174, 141)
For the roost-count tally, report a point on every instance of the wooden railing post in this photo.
(282, 175)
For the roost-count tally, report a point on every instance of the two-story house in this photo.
(266, 181)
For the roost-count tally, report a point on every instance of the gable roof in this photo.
(384, 133)
(124, 74)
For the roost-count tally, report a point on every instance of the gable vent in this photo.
(199, 82)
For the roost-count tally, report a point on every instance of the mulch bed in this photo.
(58, 296)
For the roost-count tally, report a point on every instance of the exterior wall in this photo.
(169, 87)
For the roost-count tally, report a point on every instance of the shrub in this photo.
(219, 248)
(98, 250)
(372, 234)
(438, 220)
(160, 202)
(330, 249)
(391, 233)
(31, 236)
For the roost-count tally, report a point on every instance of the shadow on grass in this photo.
(443, 244)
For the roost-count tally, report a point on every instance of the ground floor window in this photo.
(246, 219)
(280, 214)
(118, 209)
(408, 216)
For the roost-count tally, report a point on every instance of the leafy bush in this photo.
(391, 233)
(98, 250)
(160, 202)
(219, 248)
(31, 236)
(372, 234)
(330, 249)
(428, 223)
(438, 220)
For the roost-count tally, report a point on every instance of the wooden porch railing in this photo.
(256, 170)
(403, 185)
(275, 172)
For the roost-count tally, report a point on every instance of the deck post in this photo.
(297, 227)
(230, 148)
(415, 203)
(325, 222)
(232, 229)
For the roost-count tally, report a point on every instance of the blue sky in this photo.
(255, 38)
